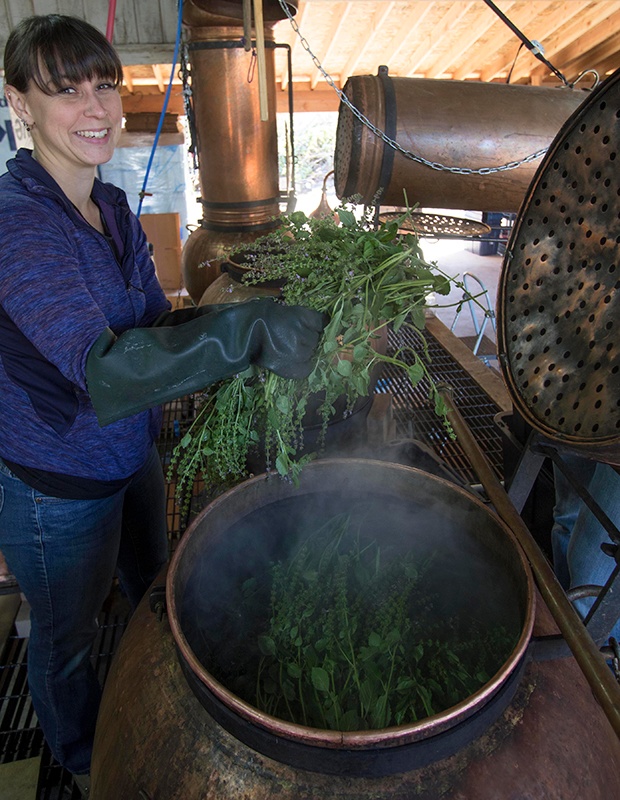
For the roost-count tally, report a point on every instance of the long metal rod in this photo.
(602, 682)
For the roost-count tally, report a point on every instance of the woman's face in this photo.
(76, 126)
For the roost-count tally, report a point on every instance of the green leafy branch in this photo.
(364, 279)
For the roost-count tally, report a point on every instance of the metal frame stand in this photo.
(479, 300)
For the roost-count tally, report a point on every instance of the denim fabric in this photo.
(64, 554)
(565, 512)
(577, 535)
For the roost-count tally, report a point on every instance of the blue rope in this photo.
(165, 105)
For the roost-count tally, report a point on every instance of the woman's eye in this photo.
(66, 90)
(106, 85)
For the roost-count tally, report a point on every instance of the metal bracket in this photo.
(157, 601)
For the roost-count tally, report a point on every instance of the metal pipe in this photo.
(109, 31)
(602, 682)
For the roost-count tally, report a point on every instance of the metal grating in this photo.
(414, 412)
(415, 418)
(20, 736)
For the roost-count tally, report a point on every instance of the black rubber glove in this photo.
(145, 367)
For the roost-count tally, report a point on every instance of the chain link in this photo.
(384, 137)
(185, 73)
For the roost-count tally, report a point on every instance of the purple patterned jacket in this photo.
(61, 284)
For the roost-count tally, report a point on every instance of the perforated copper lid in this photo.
(558, 315)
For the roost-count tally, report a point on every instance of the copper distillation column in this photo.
(236, 145)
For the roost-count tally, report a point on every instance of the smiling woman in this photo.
(65, 90)
(88, 350)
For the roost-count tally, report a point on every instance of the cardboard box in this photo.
(164, 232)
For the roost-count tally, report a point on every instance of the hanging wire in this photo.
(514, 63)
(384, 137)
(164, 107)
(535, 48)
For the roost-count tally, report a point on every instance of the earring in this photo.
(25, 124)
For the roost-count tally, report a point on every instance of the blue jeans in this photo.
(577, 535)
(65, 554)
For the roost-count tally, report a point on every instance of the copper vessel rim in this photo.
(387, 737)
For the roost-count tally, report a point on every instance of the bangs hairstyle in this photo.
(68, 49)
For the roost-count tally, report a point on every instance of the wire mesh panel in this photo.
(415, 413)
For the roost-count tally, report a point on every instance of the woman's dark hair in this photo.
(66, 48)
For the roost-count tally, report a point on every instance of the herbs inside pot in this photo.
(363, 278)
(350, 634)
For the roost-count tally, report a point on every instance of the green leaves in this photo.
(320, 679)
(332, 659)
(361, 277)
(267, 645)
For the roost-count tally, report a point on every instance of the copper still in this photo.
(237, 150)
(462, 124)
(169, 729)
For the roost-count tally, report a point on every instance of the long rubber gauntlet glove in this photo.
(145, 367)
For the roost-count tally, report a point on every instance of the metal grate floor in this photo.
(20, 736)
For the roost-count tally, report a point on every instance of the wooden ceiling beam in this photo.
(305, 99)
(336, 30)
(410, 23)
(132, 55)
(151, 103)
(360, 47)
(453, 13)
(476, 29)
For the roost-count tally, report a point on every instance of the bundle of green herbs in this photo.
(362, 278)
(353, 636)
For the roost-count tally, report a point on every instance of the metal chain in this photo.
(189, 105)
(384, 137)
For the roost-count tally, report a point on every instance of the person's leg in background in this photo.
(565, 512)
(587, 563)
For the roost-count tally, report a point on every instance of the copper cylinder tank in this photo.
(168, 729)
(237, 150)
(453, 123)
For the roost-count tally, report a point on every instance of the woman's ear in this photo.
(18, 103)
